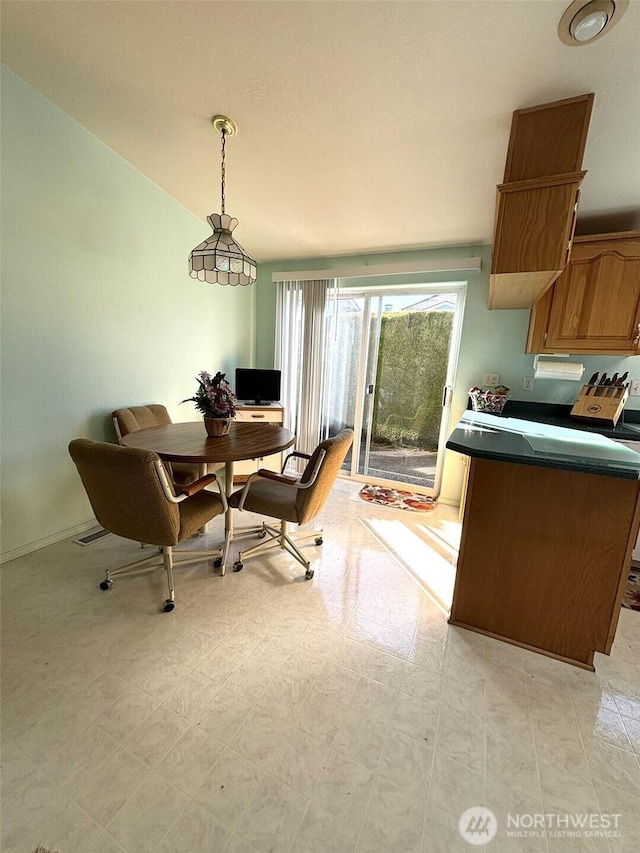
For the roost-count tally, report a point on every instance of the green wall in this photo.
(492, 341)
(98, 310)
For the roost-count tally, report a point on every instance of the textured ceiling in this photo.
(363, 126)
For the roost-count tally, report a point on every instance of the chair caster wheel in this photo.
(217, 563)
(168, 606)
(308, 574)
(262, 534)
(319, 540)
(106, 584)
(238, 567)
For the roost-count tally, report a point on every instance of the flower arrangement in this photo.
(214, 397)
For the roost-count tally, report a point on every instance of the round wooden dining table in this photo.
(188, 442)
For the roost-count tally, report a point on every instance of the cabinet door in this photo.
(595, 305)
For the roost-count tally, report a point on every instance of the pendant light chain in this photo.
(223, 168)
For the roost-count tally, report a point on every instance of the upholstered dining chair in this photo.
(131, 419)
(291, 499)
(131, 496)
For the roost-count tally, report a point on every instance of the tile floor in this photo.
(267, 714)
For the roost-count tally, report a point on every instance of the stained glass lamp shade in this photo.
(220, 259)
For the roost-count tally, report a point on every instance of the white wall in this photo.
(98, 310)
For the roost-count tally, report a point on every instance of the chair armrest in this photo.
(279, 478)
(196, 486)
(295, 453)
(184, 492)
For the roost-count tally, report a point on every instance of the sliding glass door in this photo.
(389, 367)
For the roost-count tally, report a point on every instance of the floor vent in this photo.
(92, 537)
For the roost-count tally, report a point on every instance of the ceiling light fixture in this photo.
(220, 259)
(584, 22)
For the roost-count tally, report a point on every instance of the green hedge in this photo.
(411, 372)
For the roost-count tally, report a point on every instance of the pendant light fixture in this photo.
(220, 259)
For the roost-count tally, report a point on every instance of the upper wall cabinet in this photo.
(536, 206)
(594, 305)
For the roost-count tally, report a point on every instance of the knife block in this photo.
(600, 404)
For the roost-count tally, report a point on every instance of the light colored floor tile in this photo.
(195, 831)
(321, 717)
(71, 830)
(300, 761)
(374, 700)
(259, 737)
(395, 816)
(273, 817)
(74, 765)
(113, 784)
(156, 735)
(126, 713)
(192, 695)
(229, 787)
(361, 739)
(344, 789)
(337, 683)
(190, 761)
(224, 714)
(146, 817)
(162, 678)
(322, 832)
(405, 762)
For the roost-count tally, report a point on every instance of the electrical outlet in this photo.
(490, 378)
(634, 391)
(527, 383)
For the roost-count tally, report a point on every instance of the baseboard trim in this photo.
(37, 544)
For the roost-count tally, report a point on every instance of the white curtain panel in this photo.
(300, 343)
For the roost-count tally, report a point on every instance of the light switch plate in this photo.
(527, 383)
(490, 378)
(634, 391)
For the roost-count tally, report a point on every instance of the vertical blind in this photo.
(300, 344)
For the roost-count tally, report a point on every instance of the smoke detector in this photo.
(583, 23)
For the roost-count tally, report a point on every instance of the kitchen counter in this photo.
(557, 414)
(550, 519)
(543, 444)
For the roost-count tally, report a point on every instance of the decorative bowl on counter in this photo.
(489, 400)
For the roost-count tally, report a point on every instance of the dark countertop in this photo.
(556, 414)
(513, 437)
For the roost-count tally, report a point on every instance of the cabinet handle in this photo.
(636, 340)
(262, 416)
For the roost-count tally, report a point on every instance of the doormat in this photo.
(397, 499)
(631, 597)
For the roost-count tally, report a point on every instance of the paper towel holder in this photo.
(572, 374)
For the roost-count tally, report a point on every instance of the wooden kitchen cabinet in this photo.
(536, 206)
(594, 305)
(269, 416)
(532, 239)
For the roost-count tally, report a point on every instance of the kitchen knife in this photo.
(593, 379)
(623, 378)
(614, 379)
(603, 379)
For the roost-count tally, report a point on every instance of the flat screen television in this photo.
(254, 385)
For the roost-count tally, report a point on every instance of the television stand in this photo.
(268, 414)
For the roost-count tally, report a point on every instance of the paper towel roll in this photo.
(559, 370)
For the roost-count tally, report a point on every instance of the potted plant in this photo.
(215, 400)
